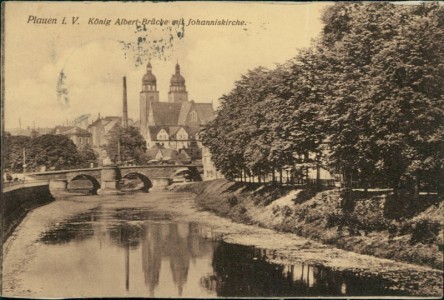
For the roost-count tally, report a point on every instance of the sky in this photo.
(95, 57)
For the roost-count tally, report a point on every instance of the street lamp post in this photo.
(119, 160)
(24, 160)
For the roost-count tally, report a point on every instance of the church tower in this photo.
(178, 91)
(148, 95)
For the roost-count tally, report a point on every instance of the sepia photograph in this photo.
(224, 149)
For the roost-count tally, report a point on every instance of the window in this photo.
(81, 141)
(162, 135)
(182, 135)
(193, 116)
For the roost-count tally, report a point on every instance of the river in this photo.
(159, 244)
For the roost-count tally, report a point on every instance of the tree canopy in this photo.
(13, 151)
(131, 142)
(366, 98)
(87, 156)
(52, 151)
(58, 152)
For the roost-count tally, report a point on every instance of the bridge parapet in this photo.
(107, 178)
(11, 186)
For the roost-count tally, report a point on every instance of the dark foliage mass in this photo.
(131, 143)
(366, 100)
(13, 151)
(55, 152)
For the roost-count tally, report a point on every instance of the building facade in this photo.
(172, 124)
(80, 137)
(210, 171)
(101, 127)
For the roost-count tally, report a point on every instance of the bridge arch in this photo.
(147, 184)
(186, 173)
(95, 183)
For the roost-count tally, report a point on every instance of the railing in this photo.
(64, 171)
(159, 166)
(13, 183)
(120, 167)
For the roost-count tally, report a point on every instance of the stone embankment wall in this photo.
(18, 201)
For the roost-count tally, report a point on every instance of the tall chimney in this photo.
(125, 105)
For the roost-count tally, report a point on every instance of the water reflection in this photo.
(148, 237)
(244, 271)
(139, 252)
(75, 229)
(152, 257)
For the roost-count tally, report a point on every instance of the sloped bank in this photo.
(369, 227)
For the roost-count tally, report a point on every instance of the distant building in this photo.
(79, 136)
(159, 154)
(210, 171)
(174, 124)
(100, 128)
(61, 129)
(33, 132)
(82, 121)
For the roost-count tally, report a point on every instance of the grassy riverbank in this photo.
(374, 226)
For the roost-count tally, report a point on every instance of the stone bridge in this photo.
(105, 180)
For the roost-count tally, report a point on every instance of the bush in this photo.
(369, 216)
(425, 232)
(335, 218)
(286, 211)
(232, 200)
(406, 227)
(392, 228)
(304, 195)
(276, 209)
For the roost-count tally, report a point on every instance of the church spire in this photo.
(177, 68)
(148, 95)
(178, 91)
(149, 79)
(149, 67)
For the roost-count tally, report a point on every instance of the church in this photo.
(172, 124)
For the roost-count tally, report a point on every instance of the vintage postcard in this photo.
(222, 149)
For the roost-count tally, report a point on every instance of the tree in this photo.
(13, 151)
(294, 114)
(236, 136)
(350, 40)
(226, 136)
(408, 98)
(367, 98)
(53, 151)
(382, 69)
(132, 145)
(87, 156)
